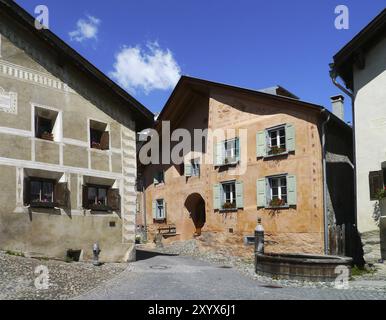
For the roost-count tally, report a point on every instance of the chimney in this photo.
(338, 106)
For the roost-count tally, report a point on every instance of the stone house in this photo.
(271, 166)
(361, 64)
(68, 148)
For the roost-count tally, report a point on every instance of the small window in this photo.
(228, 198)
(277, 141)
(99, 136)
(41, 193)
(196, 168)
(46, 124)
(231, 151)
(277, 196)
(376, 184)
(159, 177)
(160, 210)
(97, 197)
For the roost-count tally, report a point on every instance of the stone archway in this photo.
(195, 204)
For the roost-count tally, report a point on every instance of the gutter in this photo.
(324, 152)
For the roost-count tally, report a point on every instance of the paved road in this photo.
(163, 277)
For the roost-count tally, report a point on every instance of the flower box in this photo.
(47, 136)
(277, 203)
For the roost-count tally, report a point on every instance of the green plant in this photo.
(381, 194)
(15, 254)
(275, 203)
(277, 150)
(69, 259)
(229, 205)
(357, 272)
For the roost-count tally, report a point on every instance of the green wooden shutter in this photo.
(217, 197)
(261, 188)
(290, 137)
(188, 169)
(219, 154)
(155, 180)
(261, 144)
(154, 209)
(237, 149)
(291, 189)
(239, 194)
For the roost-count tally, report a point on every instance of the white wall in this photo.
(370, 122)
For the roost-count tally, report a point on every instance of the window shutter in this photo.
(216, 197)
(375, 183)
(27, 191)
(261, 144)
(290, 138)
(154, 209)
(219, 154)
(114, 199)
(105, 141)
(291, 189)
(61, 195)
(188, 169)
(165, 211)
(239, 194)
(237, 144)
(261, 187)
(85, 197)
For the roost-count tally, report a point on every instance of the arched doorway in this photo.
(195, 205)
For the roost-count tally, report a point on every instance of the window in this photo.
(159, 177)
(231, 151)
(159, 210)
(227, 152)
(278, 191)
(277, 141)
(101, 198)
(97, 196)
(47, 126)
(196, 168)
(228, 196)
(99, 136)
(376, 184)
(41, 193)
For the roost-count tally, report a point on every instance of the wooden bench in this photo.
(168, 231)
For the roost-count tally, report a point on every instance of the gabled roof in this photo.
(188, 86)
(353, 51)
(142, 116)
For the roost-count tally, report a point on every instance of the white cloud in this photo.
(86, 29)
(147, 69)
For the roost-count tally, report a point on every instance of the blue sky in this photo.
(146, 45)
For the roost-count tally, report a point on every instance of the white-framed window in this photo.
(227, 152)
(47, 124)
(99, 135)
(277, 140)
(228, 199)
(196, 168)
(159, 210)
(277, 191)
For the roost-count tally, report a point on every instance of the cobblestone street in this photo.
(171, 277)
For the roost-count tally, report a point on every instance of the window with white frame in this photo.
(42, 192)
(228, 195)
(230, 151)
(196, 168)
(277, 191)
(159, 210)
(47, 124)
(99, 135)
(277, 140)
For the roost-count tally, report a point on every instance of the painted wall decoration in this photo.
(8, 101)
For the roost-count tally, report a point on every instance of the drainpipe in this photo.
(324, 152)
(334, 76)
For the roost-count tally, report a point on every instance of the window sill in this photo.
(230, 164)
(43, 205)
(159, 221)
(276, 155)
(48, 141)
(229, 210)
(96, 150)
(277, 208)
